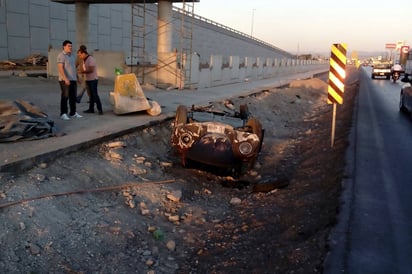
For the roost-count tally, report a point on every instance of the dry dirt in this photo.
(127, 206)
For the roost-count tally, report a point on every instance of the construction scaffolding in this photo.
(186, 38)
(144, 63)
(139, 58)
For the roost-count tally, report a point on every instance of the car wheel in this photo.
(244, 112)
(181, 115)
(373, 77)
(256, 127)
(402, 107)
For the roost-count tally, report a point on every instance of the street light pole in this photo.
(253, 19)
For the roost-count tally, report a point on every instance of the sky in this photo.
(304, 26)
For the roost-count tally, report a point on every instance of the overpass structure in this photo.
(166, 57)
(163, 45)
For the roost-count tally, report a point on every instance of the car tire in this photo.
(244, 112)
(256, 127)
(373, 76)
(181, 115)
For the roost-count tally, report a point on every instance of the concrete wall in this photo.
(217, 74)
(221, 55)
(253, 69)
(34, 26)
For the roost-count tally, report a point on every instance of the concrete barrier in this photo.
(216, 74)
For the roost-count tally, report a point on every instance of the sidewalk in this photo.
(92, 128)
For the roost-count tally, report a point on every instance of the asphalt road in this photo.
(374, 233)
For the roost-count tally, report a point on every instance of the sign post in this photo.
(337, 75)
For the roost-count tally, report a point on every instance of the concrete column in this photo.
(167, 71)
(82, 24)
(165, 27)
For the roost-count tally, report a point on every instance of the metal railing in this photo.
(211, 22)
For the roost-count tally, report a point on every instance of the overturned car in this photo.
(217, 138)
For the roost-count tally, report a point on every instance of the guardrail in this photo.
(211, 22)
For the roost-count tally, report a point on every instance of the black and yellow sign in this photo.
(337, 74)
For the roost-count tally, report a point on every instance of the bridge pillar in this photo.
(82, 23)
(166, 58)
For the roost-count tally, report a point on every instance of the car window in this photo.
(382, 66)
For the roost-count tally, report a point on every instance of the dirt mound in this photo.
(314, 83)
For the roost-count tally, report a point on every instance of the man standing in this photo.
(66, 64)
(88, 68)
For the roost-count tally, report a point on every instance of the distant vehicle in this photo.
(381, 70)
(217, 138)
(405, 98)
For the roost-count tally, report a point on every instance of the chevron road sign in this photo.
(337, 76)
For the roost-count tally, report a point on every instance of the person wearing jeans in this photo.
(90, 71)
(67, 81)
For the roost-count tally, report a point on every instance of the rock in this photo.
(140, 160)
(149, 262)
(171, 245)
(175, 196)
(174, 218)
(137, 170)
(116, 144)
(127, 194)
(131, 203)
(235, 201)
(166, 164)
(34, 249)
(115, 155)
